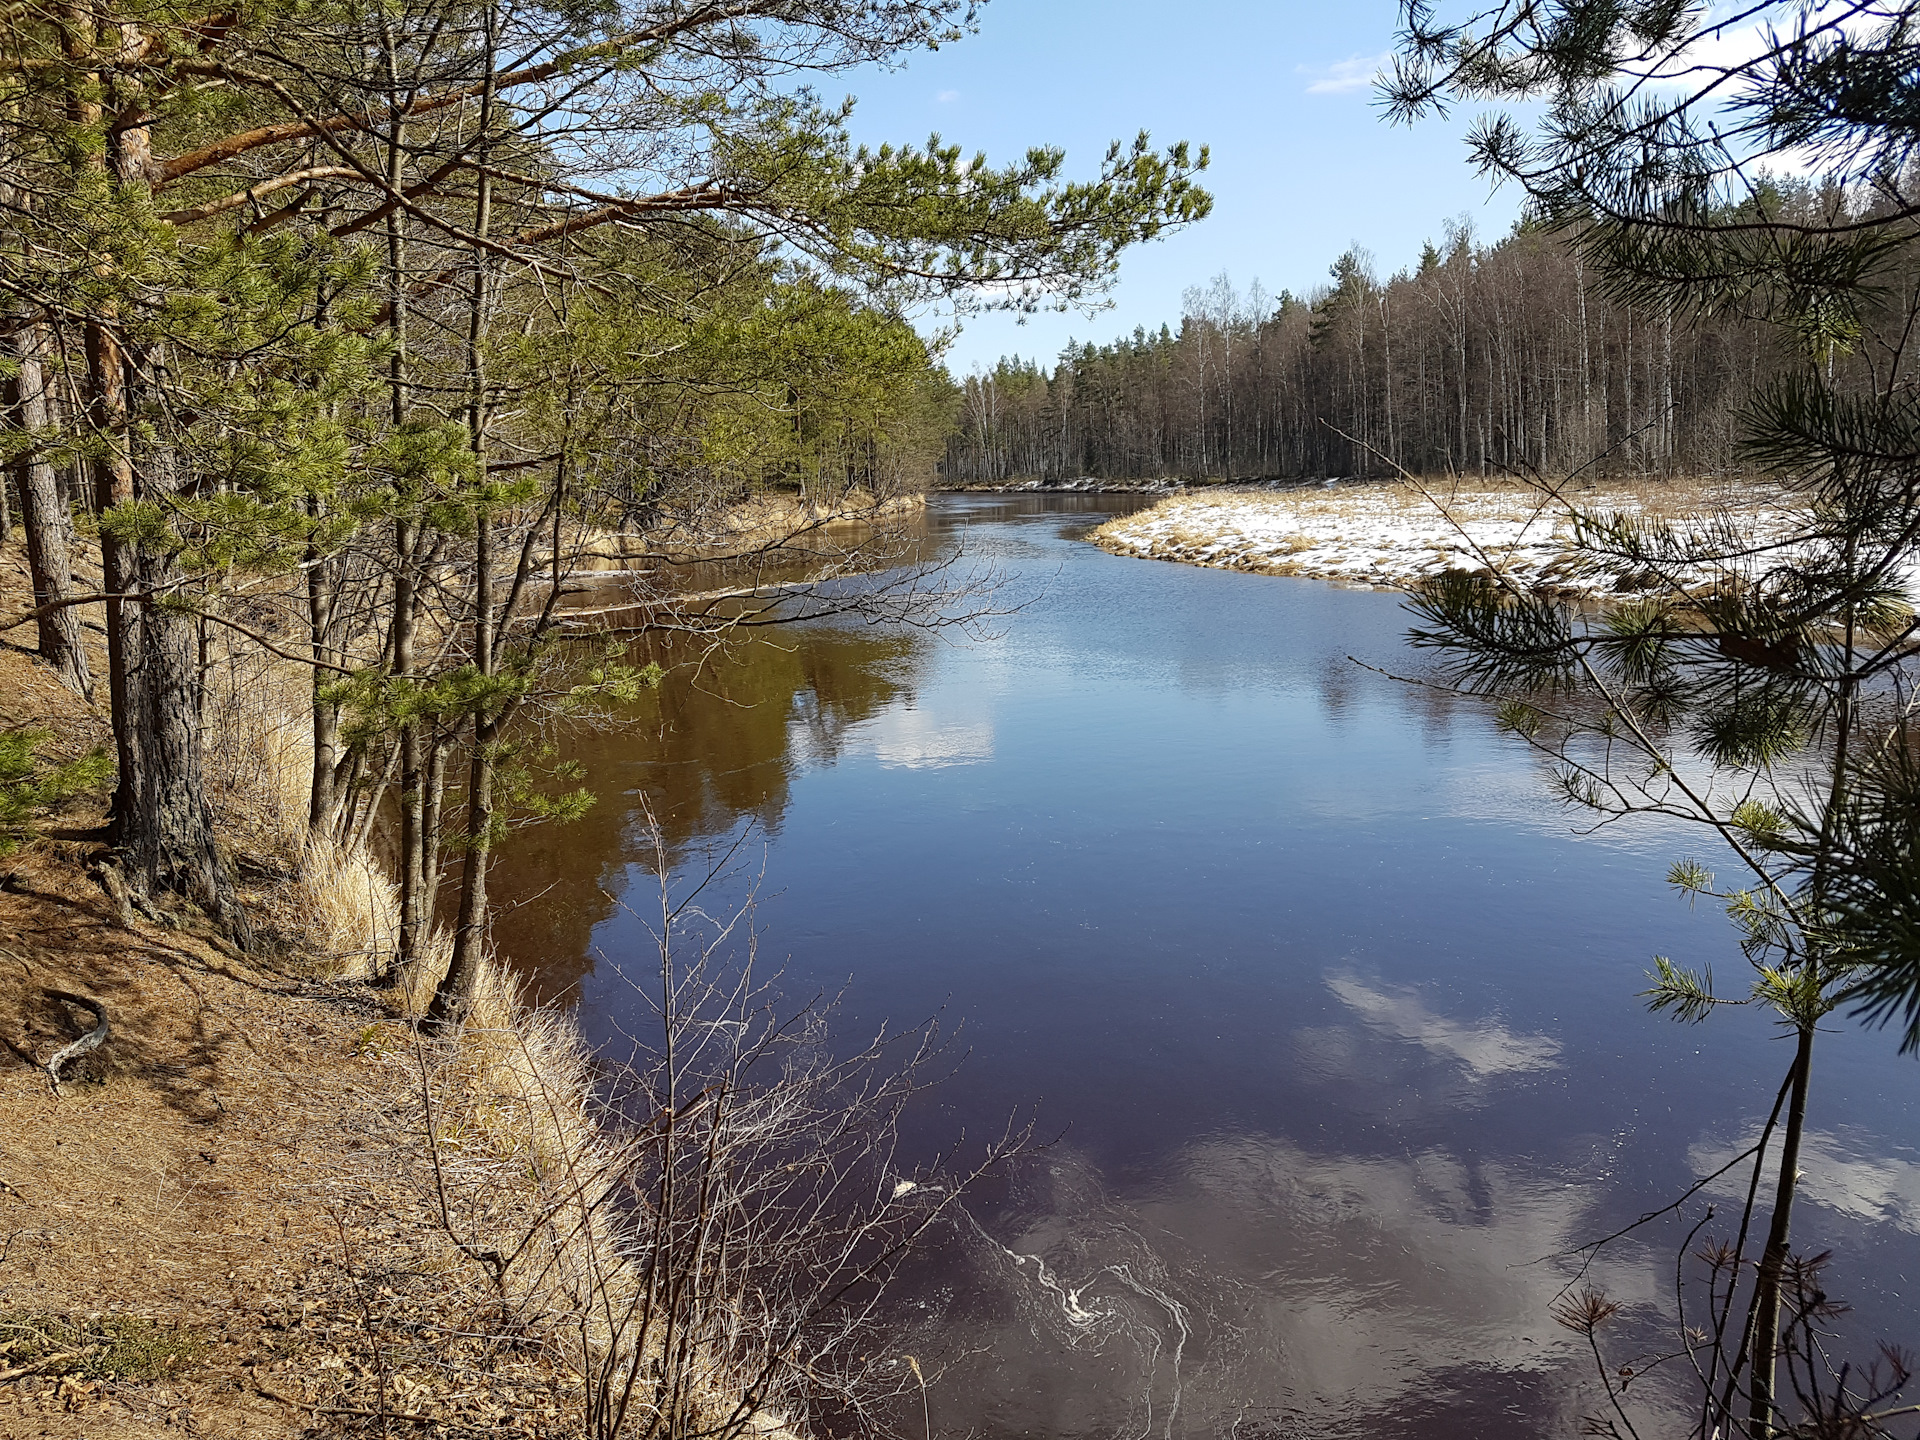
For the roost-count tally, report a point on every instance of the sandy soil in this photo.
(227, 1211)
(173, 1179)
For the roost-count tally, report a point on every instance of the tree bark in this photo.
(453, 996)
(416, 905)
(431, 810)
(44, 510)
(323, 798)
(162, 822)
(48, 525)
(169, 835)
(413, 921)
(113, 486)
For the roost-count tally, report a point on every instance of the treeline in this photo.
(341, 338)
(1511, 357)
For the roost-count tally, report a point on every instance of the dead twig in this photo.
(364, 1414)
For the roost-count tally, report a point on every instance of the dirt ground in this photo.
(177, 1226)
(174, 1179)
(165, 1207)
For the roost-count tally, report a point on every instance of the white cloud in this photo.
(1735, 42)
(1354, 73)
(1712, 51)
(1486, 1047)
(1696, 68)
(902, 737)
(1877, 1188)
(947, 97)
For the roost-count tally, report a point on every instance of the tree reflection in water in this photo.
(718, 744)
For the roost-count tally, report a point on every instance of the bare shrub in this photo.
(696, 1237)
(689, 1243)
(1825, 1395)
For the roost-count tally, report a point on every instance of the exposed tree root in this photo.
(87, 1043)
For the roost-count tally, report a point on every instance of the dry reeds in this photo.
(761, 524)
(325, 900)
(499, 1131)
(498, 1134)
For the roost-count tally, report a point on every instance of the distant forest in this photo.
(1507, 357)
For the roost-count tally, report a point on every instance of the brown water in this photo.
(1335, 1013)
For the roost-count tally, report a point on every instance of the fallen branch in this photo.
(317, 1408)
(45, 1362)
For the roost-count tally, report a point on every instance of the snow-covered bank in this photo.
(1083, 485)
(1389, 535)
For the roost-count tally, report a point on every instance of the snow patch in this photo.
(1390, 536)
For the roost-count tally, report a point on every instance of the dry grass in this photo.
(266, 1172)
(506, 1103)
(490, 1136)
(319, 1214)
(333, 905)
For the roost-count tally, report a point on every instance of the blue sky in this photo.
(1302, 167)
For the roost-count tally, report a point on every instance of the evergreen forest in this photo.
(1516, 357)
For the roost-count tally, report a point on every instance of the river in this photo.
(1328, 1010)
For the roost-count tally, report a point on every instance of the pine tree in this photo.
(395, 305)
(1752, 678)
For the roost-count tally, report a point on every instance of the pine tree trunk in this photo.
(1762, 1402)
(413, 922)
(431, 827)
(416, 872)
(323, 798)
(454, 994)
(113, 486)
(169, 834)
(162, 822)
(48, 525)
(453, 997)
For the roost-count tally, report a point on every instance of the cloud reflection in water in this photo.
(1251, 1278)
(1486, 1048)
(1879, 1189)
(905, 737)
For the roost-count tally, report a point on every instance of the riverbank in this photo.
(267, 1205)
(761, 527)
(1081, 485)
(1387, 535)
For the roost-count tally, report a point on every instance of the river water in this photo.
(1328, 1010)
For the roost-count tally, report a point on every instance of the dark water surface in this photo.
(1335, 1010)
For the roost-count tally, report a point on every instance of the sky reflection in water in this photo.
(1335, 1012)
